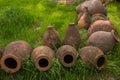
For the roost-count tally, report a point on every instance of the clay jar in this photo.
(51, 37)
(93, 57)
(14, 55)
(103, 40)
(67, 55)
(42, 57)
(72, 36)
(94, 7)
(101, 25)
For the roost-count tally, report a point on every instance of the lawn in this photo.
(28, 19)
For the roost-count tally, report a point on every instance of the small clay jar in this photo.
(14, 55)
(94, 7)
(67, 55)
(93, 57)
(97, 17)
(42, 57)
(72, 36)
(101, 25)
(84, 20)
(103, 40)
(51, 38)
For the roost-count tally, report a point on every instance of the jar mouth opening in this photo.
(10, 63)
(101, 62)
(68, 59)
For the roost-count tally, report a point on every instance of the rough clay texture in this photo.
(90, 56)
(51, 38)
(65, 49)
(42, 51)
(72, 36)
(100, 25)
(20, 49)
(103, 40)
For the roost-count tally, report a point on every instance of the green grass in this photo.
(28, 19)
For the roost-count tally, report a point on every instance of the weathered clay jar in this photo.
(72, 36)
(67, 55)
(51, 38)
(84, 20)
(103, 40)
(42, 57)
(101, 25)
(94, 7)
(1, 53)
(15, 53)
(93, 57)
(97, 17)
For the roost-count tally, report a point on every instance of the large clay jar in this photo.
(94, 7)
(15, 53)
(101, 25)
(103, 40)
(93, 57)
(1, 53)
(84, 20)
(42, 57)
(72, 36)
(67, 55)
(51, 38)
